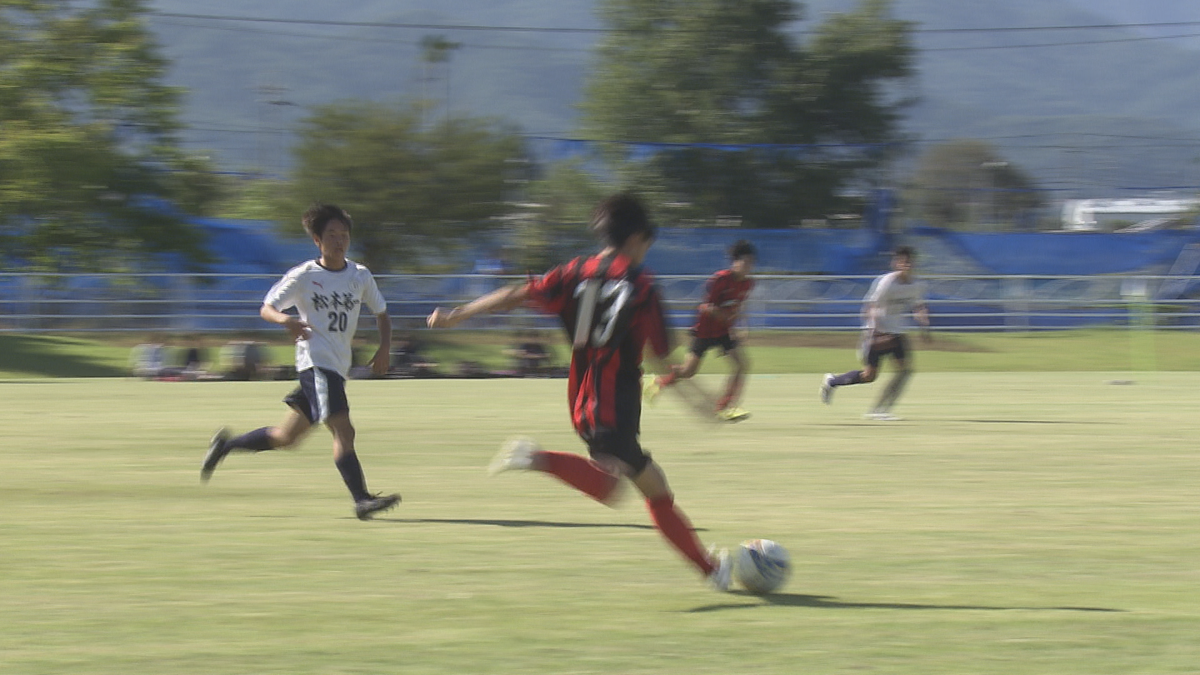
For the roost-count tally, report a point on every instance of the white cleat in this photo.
(827, 389)
(721, 577)
(882, 416)
(515, 455)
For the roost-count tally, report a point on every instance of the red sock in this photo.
(676, 528)
(580, 473)
(731, 392)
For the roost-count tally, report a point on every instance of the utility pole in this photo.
(436, 51)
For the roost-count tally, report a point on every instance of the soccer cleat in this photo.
(827, 389)
(216, 452)
(732, 414)
(651, 389)
(722, 575)
(515, 455)
(882, 416)
(366, 509)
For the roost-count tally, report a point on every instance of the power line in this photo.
(411, 43)
(975, 48)
(585, 30)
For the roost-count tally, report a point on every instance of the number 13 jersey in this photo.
(328, 301)
(610, 310)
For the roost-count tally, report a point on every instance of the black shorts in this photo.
(701, 345)
(620, 443)
(321, 395)
(894, 345)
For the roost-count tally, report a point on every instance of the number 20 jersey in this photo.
(610, 310)
(328, 301)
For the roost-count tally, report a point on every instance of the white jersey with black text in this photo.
(329, 302)
(895, 300)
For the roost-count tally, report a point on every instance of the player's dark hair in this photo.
(906, 251)
(742, 249)
(318, 217)
(619, 217)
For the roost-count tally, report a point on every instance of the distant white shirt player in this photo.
(893, 300)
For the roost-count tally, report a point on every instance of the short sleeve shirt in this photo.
(896, 301)
(728, 292)
(610, 310)
(330, 302)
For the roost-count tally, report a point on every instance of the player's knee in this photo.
(869, 375)
(282, 437)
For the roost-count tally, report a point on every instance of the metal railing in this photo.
(184, 303)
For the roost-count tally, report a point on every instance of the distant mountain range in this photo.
(1090, 112)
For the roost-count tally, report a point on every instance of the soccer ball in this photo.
(762, 566)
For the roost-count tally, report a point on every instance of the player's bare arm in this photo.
(298, 329)
(921, 312)
(499, 300)
(383, 356)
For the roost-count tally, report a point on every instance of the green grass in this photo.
(1015, 523)
(770, 352)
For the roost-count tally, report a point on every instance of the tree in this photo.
(967, 185)
(762, 128)
(415, 193)
(554, 226)
(91, 173)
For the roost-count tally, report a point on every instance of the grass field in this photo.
(1014, 523)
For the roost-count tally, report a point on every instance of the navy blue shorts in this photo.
(725, 342)
(321, 395)
(894, 345)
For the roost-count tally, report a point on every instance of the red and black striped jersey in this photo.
(610, 310)
(727, 292)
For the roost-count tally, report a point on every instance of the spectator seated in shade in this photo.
(531, 355)
(409, 361)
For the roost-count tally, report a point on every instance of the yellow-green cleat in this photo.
(732, 415)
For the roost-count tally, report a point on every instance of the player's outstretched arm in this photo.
(922, 315)
(499, 300)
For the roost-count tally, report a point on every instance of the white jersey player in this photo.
(328, 294)
(893, 300)
(329, 302)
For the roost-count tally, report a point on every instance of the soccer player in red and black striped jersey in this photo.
(726, 293)
(610, 309)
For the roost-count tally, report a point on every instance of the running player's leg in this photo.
(737, 377)
(599, 482)
(868, 373)
(294, 427)
(673, 523)
(895, 386)
(346, 459)
(685, 370)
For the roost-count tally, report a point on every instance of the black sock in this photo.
(852, 377)
(254, 441)
(352, 474)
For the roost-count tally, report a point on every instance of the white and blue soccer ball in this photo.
(762, 566)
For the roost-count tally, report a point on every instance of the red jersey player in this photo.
(611, 309)
(726, 293)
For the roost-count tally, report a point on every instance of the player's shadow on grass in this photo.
(497, 522)
(828, 602)
(1030, 421)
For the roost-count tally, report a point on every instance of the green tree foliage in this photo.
(553, 225)
(967, 185)
(728, 73)
(416, 193)
(87, 139)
